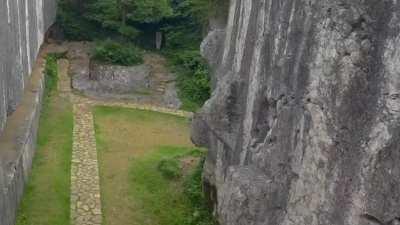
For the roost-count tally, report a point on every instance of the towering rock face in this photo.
(23, 24)
(303, 127)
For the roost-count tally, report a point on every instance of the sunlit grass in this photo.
(131, 145)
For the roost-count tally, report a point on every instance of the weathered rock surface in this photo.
(111, 80)
(23, 24)
(18, 144)
(303, 126)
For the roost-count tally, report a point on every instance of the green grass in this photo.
(158, 197)
(135, 191)
(177, 201)
(170, 168)
(46, 197)
(140, 116)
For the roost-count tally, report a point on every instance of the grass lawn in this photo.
(46, 198)
(131, 145)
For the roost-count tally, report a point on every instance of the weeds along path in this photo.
(85, 182)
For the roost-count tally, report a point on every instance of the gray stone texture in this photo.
(22, 27)
(17, 147)
(303, 126)
(23, 24)
(114, 80)
(147, 83)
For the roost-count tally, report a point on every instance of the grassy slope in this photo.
(46, 198)
(131, 143)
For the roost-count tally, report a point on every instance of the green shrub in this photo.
(193, 78)
(170, 168)
(112, 52)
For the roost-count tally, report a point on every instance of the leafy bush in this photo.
(115, 53)
(193, 78)
(183, 34)
(170, 168)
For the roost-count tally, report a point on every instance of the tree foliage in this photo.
(115, 53)
(116, 13)
(150, 11)
(183, 22)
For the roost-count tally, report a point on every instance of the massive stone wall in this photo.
(23, 24)
(303, 126)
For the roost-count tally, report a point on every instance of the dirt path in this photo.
(85, 182)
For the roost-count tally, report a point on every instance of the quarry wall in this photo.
(303, 126)
(23, 24)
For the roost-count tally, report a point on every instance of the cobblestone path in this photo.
(85, 182)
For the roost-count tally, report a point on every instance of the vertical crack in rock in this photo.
(303, 126)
